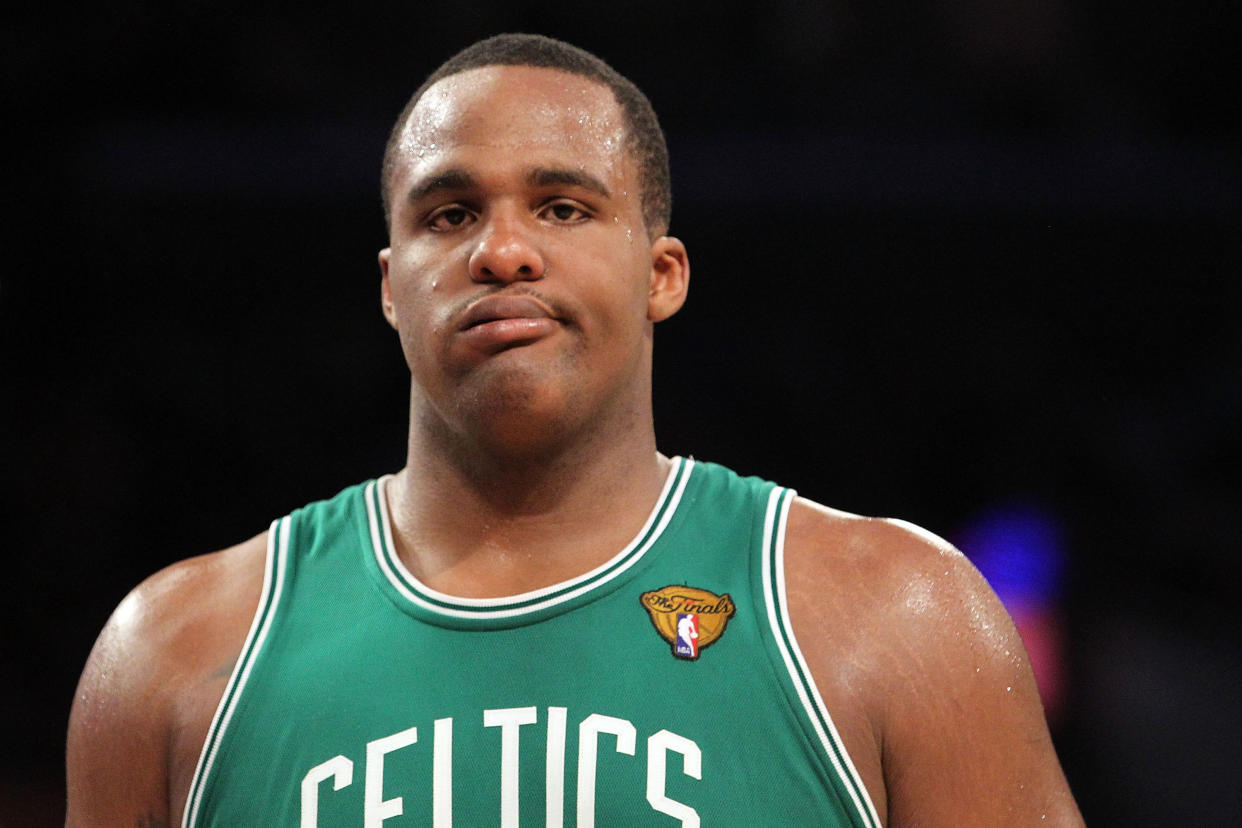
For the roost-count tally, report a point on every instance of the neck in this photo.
(475, 519)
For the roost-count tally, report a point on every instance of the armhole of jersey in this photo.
(775, 520)
(273, 583)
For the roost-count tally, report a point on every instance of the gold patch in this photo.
(688, 618)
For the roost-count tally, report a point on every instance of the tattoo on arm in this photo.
(225, 670)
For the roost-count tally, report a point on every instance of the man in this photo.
(501, 631)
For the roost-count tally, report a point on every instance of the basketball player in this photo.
(491, 634)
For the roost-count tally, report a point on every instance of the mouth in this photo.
(502, 307)
(498, 322)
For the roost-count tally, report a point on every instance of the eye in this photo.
(565, 212)
(449, 218)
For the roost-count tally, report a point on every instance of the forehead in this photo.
(528, 114)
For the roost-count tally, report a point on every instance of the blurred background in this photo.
(973, 264)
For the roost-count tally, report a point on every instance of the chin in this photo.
(522, 400)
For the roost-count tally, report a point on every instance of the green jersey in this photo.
(661, 688)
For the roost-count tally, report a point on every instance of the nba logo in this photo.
(687, 643)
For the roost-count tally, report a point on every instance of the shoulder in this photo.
(899, 611)
(153, 680)
(823, 532)
(883, 572)
(906, 639)
(884, 579)
(166, 621)
(862, 593)
(883, 569)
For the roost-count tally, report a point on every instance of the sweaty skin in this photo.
(524, 288)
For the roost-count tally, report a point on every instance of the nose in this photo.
(506, 253)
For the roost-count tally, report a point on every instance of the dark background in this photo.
(948, 255)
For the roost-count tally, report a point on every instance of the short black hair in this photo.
(644, 138)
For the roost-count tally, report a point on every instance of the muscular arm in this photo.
(151, 685)
(926, 674)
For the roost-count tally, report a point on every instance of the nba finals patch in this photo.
(688, 618)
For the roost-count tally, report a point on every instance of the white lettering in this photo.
(554, 785)
(509, 721)
(376, 809)
(658, 746)
(339, 769)
(442, 776)
(588, 733)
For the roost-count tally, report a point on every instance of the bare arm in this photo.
(117, 748)
(938, 703)
(148, 691)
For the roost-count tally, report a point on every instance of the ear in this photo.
(385, 288)
(670, 278)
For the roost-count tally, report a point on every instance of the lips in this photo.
(498, 308)
(499, 322)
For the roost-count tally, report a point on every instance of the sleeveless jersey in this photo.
(662, 688)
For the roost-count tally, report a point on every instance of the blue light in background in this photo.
(1019, 547)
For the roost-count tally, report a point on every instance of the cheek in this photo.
(626, 273)
(412, 298)
(413, 283)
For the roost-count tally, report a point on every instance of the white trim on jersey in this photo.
(432, 600)
(774, 524)
(269, 598)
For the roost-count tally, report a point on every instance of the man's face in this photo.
(520, 275)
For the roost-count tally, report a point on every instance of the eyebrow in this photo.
(456, 180)
(552, 176)
(451, 179)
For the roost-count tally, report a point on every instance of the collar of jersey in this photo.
(420, 600)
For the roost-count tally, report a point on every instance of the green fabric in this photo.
(357, 676)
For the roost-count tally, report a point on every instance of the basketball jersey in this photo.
(661, 688)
